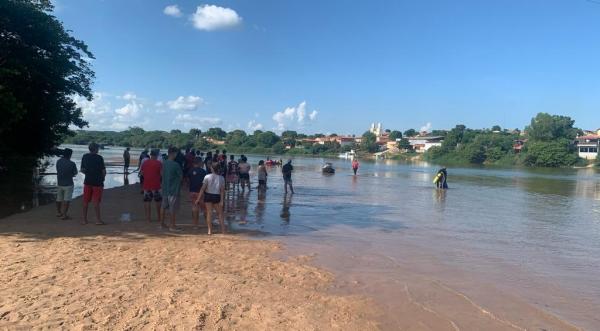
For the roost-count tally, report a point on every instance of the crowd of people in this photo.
(207, 176)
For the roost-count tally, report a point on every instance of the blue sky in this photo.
(337, 66)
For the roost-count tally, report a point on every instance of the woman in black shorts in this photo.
(213, 195)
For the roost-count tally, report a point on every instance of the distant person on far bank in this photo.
(92, 165)
(126, 160)
(172, 176)
(441, 178)
(65, 171)
(286, 170)
(355, 166)
(151, 170)
(213, 195)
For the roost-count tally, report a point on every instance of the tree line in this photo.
(548, 141)
(259, 142)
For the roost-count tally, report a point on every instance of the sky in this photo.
(336, 66)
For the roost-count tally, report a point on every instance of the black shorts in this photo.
(245, 176)
(152, 195)
(262, 182)
(212, 198)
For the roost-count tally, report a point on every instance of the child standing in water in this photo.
(355, 166)
(262, 175)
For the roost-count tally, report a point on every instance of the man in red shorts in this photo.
(92, 165)
(151, 170)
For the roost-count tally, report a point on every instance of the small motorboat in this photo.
(328, 168)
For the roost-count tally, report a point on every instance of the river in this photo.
(515, 243)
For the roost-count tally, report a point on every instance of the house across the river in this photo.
(587, 146)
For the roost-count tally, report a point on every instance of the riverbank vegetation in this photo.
(236, 141)
(546, 142)
(42, 68)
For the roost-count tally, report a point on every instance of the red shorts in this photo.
(92, 193)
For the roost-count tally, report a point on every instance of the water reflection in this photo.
(285, 207)
(439, 198)
(261, 205)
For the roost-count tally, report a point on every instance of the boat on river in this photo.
(328, 168)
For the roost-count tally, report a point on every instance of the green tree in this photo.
(395, 135)
(454, 137)
(369, 142)
(473, 153)
(42, 69)
(236, 138)
(410, 133)
(546, 127)
(404, 144)
(289, 137)
(496, 128)
(558, 153)
(216, 133)
(195, 133)
(278, 148)
(267, 139)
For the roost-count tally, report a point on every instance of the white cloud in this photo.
(172, 10)
(290, 115)
(101, 115)
(253, 125)
(191, 121)
(426, 127)
(128, 96)
(301, 111)
(96, 112)
(211, 17)
(131, 110)
(182, 103)
(119, 112)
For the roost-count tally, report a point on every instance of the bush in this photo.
(558, 153)
(473, 154)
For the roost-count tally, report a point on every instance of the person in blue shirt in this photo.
(195, 178)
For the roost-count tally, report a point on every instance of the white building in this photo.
(422, 144)
(376, 130)
(587, 146)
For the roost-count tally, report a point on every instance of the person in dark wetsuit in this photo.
(442, 182)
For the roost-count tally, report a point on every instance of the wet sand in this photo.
(60, 274)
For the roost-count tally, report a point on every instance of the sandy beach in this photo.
(134, 275)
(123, 276)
